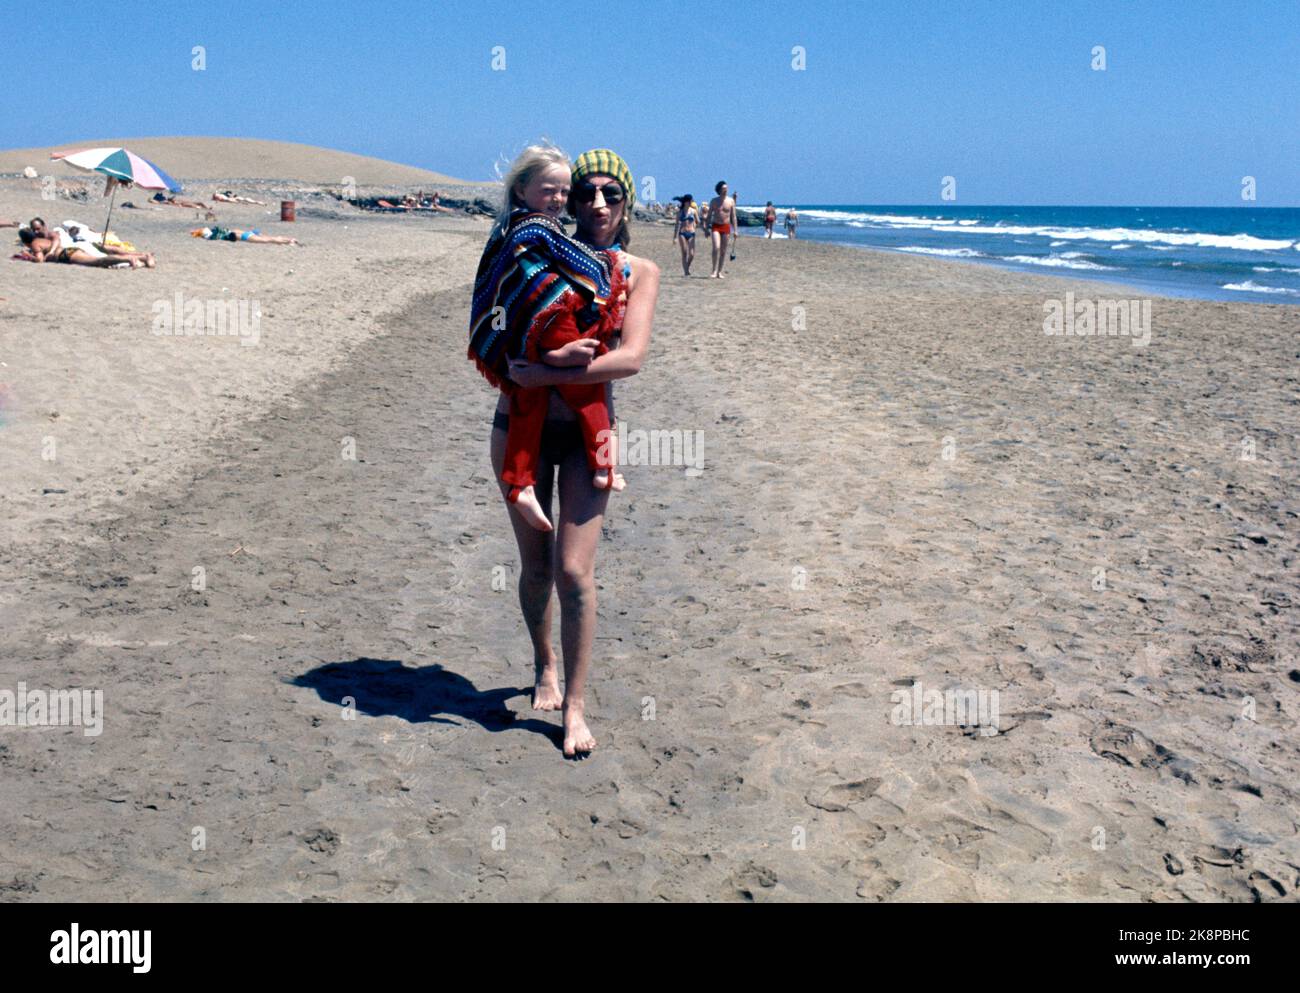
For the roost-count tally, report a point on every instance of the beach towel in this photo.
(530, 271)
(79, 233)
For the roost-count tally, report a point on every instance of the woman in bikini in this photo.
(254, 237)
(600, 199)
(684, 231)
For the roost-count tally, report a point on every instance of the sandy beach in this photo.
(288, 569)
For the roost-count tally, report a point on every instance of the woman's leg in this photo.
(582, 509)
(536, 577)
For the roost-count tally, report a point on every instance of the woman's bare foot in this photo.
(546, 687)
(577, 737)
(601, 481)
(530, 510)
(150, 262)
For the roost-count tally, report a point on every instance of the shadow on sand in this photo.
(387, 688)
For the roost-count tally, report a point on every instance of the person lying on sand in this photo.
(235, 234)
(71, 233)
(7, 224)
(228, 197)
(549, 291)
(54, 249)
(178, 202)
(79, 233)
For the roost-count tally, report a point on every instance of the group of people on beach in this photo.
(554, 320)
(75, 243)
(719, 218)
(412, 201)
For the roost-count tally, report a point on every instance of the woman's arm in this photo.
(619, 363)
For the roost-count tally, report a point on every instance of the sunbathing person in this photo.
(229, 197)
(8, 224)
(178, 202)
(235, 234)
(53, 249)
(74, 232)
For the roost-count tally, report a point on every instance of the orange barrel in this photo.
(288, 210)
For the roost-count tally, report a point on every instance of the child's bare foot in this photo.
(530, 510)
(601, 481)
(577, 736)
(546, 687)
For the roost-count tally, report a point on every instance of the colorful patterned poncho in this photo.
(530, 271)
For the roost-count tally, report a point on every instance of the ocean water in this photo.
(1217, 253)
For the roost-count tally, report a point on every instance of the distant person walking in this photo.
(792, 223)
(722, 221)
(684, 231)
(769, 219)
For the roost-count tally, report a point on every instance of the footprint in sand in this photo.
(752, 879)
(841, 796)
(875, 884)
(321, 840)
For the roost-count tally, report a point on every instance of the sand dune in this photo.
(219, 158)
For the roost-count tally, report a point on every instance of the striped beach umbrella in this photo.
(121, 165)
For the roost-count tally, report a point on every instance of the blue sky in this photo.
(996, 93)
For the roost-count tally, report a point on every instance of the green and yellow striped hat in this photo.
(606, 162)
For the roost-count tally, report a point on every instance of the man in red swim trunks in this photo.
(722, 223)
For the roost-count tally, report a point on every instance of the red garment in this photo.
(528, 406)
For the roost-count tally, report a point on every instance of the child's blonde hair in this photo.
(526, 165)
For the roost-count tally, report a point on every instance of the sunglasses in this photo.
(586, 192)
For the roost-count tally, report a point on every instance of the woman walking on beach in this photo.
(684, 231)
(600, 198)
